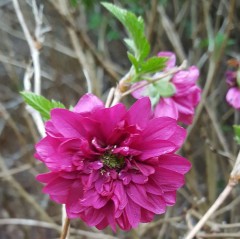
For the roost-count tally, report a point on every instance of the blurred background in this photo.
(79, 41)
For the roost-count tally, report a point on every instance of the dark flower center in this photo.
(113, 161)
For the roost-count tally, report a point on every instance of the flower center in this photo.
(113, 161)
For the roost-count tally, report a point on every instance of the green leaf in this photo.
(133, 60)
(130, 44)
(237, 133)
(162, 88)
(135, 28)
(153, 94)
(152, 65)
(40, 103)
(166, 88)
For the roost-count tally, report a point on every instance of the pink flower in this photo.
(175, 96)
(112, 166)
(233, 94)
(233, 97)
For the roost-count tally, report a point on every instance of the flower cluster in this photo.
(113, 166)
(175, 96)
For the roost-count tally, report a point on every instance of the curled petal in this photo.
(88, 103)
(139, 109)
(166, 107)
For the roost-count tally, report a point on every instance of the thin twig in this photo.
(234, 177)
(219, 235)
(84, 59)
(37, 223)
(228, 207)
(172, 33)
(14, 62)
(211, 210)
(151, 225)
(213, 61)
(152, 20)
(34, 50)
(121, 91)
(64, 232)
(109, 67)
(32, 46)
(155, 79)
(110, 97)
(217, 128)
(213, 225)
(163, 229)
(22, 192)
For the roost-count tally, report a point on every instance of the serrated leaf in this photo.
(40, 103)
(57, 104)
(237, 133)
(135, 28)
(130, 44)
(153, 64)
(133, 60)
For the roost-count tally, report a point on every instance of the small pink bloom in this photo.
(112, 166)
(182, 102)
(233, 97)
(233, 94)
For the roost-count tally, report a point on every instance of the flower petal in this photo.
(88, 103)
(108, 119)
(171, 58)
(167, 179)
(233, 97)
(186, 78)
(166, 107)
(175, 163)
(154, 148)
(68, 123)
(47, 177)
(170, 198)
(140, 112)
(159, 128)
(139, 196)
(133, 212)
(141, 91)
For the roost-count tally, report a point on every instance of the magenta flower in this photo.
(175, 96)
(112, 166)
(233, 94)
